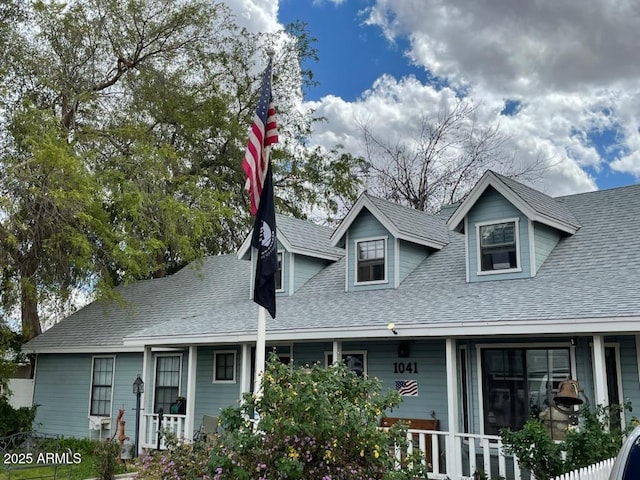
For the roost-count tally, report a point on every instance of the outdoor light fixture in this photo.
(138, 385)
(138, 389)
(392, 327)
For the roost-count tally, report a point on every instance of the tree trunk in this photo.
(29, 308)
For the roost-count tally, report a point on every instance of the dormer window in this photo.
(498, 247)
(279, 273)
(371, 261)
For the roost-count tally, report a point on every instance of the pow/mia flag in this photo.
(264, 240)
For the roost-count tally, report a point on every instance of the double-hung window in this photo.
(224, 366)
(167, 382)
(498, 247)
(371, 261)
(101, 386)
(279, 273)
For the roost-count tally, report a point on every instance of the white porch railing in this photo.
(474, 456)
(170, 423)
(598, 471)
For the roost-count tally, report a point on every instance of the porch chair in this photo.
(208, 427)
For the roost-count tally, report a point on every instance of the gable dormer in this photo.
(384, 242)
(510, 229)
(304, 249)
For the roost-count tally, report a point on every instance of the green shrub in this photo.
(107, 454)
(596, 438)
(181, 461)
(15, 420)
(313, 423)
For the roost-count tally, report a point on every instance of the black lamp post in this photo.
(138, 389)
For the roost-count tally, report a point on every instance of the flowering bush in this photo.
(181, 461)
(313, 423)
(598, 436)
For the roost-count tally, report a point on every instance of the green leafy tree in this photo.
(122, 129)
(313, 423)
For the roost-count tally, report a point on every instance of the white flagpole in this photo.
(262, 328)
(260, 349)
(262, 316)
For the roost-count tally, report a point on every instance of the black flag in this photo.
(264, 240)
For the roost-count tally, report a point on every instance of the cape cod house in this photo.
(477, 316)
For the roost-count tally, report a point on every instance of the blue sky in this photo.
(352, 55)
(561, 79)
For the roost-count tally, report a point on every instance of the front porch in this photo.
(449, 455)
(461, 450)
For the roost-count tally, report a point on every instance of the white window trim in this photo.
(345, 354)
(155, 376)
(386, 261)
(479, 347)
(281, 253)
(480, 272)
(113, 378)
(235, 365)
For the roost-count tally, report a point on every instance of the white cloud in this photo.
(572, 66)
(256, 15)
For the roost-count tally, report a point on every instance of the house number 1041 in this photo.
(405, 367)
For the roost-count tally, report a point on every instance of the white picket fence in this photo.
(597, 471)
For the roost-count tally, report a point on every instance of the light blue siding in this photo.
(62, 392)
(212, 396)
(629, 372)
(286, 266)
(410, 257)
(366, 226)
(494, 207)
(305, 268)
(546, 238)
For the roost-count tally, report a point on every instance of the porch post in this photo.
(599, 372)
(337, 351)
(147, 364)
(245, 369)
(191, 392)
(453, 453)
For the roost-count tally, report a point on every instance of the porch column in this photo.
(454, 453)
(245, 369)
(337, 351)
(601, 396)
(191, 392)
(147, 377)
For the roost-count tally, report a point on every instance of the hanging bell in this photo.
(568, 394)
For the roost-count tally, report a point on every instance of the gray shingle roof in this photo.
(590, 278)
(309, 236)
(540, 202)
(413, 222)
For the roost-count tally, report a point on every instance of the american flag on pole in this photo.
(407, 388)
(264, 133)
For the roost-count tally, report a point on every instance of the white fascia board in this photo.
(361, 203)
(489, 179)
(113, 349)
(315, 254)
(411, 331)
(421, 241)
(552, 222)
(246, 245)
(365, 202)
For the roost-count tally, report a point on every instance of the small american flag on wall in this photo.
(407, 388)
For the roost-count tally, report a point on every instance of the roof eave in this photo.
(489, 179)
(561, 326)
